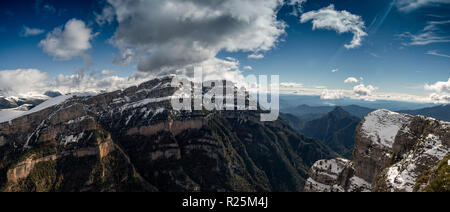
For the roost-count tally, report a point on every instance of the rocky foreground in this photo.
(393, 153)
(132, 140)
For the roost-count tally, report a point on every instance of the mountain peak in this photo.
(339, 112)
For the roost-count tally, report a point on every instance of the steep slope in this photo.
(396, 152)
(132, 140)
(294, 121)
(439, 112)
(336, 130)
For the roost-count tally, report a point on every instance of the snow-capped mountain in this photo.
(393, 152)
(133, 140)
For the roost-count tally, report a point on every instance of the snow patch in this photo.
(382, 126)
(72, 139)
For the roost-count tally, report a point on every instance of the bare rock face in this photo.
(426, 142)
(132, 140)
(374, 142)
(392, 152)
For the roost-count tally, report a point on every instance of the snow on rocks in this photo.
(403, 175)
(382, 126)
(11, 114)
(72, 139)
(331, 176)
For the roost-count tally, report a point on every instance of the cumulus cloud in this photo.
(105, 17)
(340, 21)
(21, 81)
(409, 5)
(33, 83)
(440, 87)
(68, 42)
(363, 91)
(170, 34)
(441, 91)
(297, 6)
(331, 95)
(351, 80)
(27, 32)
(440, 98)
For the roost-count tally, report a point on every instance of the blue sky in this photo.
(393, 57)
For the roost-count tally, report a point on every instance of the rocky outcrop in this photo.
(336, 175)
(132, 140)
(392, 152)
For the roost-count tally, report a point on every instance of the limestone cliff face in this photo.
(393, 151)
(132, 140)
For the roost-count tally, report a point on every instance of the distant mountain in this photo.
(294, 100)
(309, 113)
(336, 130)
(294, 121)
(21, 103)
(13, 102)
(440, 112)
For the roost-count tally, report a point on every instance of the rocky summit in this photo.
(393, 153)
(132, 140)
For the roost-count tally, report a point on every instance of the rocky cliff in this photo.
(393, 152)
(132, 140)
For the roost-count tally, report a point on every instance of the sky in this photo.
(370, 50)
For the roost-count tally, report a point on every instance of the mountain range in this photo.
(133, 140)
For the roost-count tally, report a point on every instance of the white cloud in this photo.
(291, 85)
(334, 70)
(171, 34)
(409, 5)
(68, 42)
(431, 33)
(248, 68)
(363, 91)
(108, 72)
(27, 32)
(331, 94)
(342, 93)
(106, 17)
(436, 53)
(351, 80)
(297, 6)
(441, 91)
(256, 56)
(439, 87)
(440, 98)
(21, 82)
(33, 83)
(341, 21)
